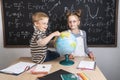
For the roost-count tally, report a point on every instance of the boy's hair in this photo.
(38, 16)
(77, 13)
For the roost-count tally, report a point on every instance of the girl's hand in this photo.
(91, 56)
(71, 56)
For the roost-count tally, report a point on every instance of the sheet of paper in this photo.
(86, 65)
(17, 68)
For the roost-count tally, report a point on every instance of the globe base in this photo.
(66, 62)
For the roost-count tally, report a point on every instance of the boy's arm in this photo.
(46, 40)
(51, 44)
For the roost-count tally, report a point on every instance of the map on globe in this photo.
(65, 43)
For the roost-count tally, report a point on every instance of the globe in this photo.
(65, 45)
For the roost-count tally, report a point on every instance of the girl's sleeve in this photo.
(87, 50)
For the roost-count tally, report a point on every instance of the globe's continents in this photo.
(65, 43)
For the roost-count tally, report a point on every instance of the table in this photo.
(92, 74)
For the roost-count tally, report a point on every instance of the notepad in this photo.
(41, 68)
(87, 65)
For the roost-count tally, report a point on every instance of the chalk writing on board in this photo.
(98, 19)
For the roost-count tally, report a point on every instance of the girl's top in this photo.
(81, 48)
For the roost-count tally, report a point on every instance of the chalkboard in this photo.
(99, 20)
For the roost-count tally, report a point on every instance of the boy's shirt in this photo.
(38, 52)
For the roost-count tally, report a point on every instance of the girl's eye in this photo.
(72, 21)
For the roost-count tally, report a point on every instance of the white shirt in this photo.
(79, 51)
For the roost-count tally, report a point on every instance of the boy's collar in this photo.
(36, 29)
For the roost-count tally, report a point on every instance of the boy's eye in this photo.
(45, 23)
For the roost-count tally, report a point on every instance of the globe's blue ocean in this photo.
(65, 43)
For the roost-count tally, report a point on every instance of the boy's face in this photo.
(42, 24)
(73, 22)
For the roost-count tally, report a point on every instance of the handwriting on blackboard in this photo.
(98, 19)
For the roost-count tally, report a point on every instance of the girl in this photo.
(73, 20)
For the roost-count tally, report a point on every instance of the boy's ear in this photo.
(36, 23)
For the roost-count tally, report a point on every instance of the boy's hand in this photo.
(56, 33)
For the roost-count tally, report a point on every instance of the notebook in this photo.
(54, 75)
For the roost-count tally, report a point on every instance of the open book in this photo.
(87, 65)
(21, 67)
(17, 68)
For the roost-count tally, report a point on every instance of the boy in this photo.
(39, 40)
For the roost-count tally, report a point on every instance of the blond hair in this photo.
(39, 16)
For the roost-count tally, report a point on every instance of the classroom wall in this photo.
(107, 58)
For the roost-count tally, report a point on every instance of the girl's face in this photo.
(73, 22)
(42, 25)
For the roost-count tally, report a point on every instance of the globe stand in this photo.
(66, 61)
